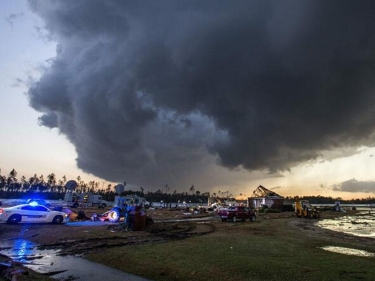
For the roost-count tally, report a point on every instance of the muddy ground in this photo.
(161, 227)
(81, 236)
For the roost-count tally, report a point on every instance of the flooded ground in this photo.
(361, 224)
(64, 260)
(60, 267)
(72, 267)
(348, 251)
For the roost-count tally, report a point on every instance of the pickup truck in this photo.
(237, 213)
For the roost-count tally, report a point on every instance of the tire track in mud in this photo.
(155, 233)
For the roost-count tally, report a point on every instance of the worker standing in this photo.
(130, 217)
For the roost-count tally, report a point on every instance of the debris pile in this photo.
(10, 271)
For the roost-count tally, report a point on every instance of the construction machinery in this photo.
(304, 209)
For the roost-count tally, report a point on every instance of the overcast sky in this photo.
(225, 95)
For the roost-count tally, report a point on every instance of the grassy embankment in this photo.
(264, 250)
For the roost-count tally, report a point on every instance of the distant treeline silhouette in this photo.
(51, 188)
(331, 200)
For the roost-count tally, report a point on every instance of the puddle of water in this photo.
(362, 225)
(348, 251)
(44, 261)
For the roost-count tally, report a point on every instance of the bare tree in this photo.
(192, 189)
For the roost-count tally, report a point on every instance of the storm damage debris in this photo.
(11, 272)
(75, 216)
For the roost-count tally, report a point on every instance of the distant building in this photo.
(222, 201)
(263, 196)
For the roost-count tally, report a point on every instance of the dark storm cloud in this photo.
(48, 120)
(145, 90)
(355, 186)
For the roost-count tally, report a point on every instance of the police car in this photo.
(31, 213)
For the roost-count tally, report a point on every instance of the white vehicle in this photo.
(31, 213)
(76, 200)
(131, 200)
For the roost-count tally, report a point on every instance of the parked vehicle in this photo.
(121, 207)
(304, 209)
(30, 213)
(75, 200)
(236, 213)
(131, 200)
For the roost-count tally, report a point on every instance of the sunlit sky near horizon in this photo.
(25, 146)
(105, 111)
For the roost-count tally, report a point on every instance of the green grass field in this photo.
(265, 250)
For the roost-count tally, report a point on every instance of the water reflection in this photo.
(348, 251)
(22, 249)
(65, 267)
(362, 224)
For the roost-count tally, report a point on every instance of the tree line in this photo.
(318, 199)
(52, 188)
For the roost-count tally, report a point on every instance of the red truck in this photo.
(237, 213)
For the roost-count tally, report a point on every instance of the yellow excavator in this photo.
(304, 209)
